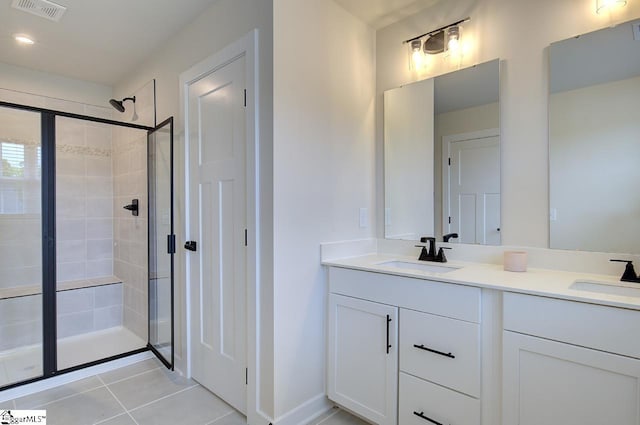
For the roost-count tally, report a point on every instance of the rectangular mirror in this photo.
(442, 157)
(594, 146)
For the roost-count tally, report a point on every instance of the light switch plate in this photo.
(636, 31)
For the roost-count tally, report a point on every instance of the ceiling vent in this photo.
(42, 8)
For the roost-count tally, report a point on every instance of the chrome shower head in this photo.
(118, 105)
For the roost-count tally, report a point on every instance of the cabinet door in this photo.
(548, 382)
(363, 358)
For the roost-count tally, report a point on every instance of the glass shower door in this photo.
(161, 241)
(21, 253)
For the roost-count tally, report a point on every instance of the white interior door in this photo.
(474, 190)
(217, 140)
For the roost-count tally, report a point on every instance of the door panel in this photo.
(217, 140)
(21, 255)
(474, 190)
(161, 241)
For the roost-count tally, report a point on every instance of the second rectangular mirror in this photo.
(442, 157)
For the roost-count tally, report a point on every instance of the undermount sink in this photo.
(623, 289)
(406, 265)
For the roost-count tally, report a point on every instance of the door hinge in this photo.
(171, 244)
(246, 376)
(449, 220)
(449, 161)
(246, 238)
(245, 98)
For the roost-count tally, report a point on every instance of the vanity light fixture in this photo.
(605, 5)
(443, 39)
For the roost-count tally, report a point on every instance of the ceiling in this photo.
(380, 13)
(99, 41)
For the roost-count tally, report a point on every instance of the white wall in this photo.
(594, 167)
(50, 85)
(221, 24)
(518, 32)
(324, 172)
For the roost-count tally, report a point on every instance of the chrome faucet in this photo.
(430, 254)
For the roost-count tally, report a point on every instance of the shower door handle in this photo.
(191, 245)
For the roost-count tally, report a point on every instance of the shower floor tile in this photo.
(26, 362)
(144, 393)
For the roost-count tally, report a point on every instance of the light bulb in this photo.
(416, 53)
(453, 37)
(454, 44)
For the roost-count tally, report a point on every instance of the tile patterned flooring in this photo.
(144, 393)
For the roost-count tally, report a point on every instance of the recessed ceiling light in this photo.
(23, 39)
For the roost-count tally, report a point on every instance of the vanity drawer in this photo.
(434, 402)
(588, 325)
(454, 359)
(444, 299)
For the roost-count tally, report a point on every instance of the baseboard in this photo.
(306, 412)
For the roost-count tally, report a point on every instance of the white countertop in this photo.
(548, 283)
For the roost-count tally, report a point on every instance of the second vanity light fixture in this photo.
(444, 39)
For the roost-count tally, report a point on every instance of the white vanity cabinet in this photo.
(363, 357)
(569, 363)
(431, 373)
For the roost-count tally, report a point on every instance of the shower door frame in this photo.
(48, 214)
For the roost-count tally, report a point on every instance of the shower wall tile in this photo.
(68, 230)
(71, 186)
(12, 277)
(100, 208)
(67, 207)
(20, 256)
(99, 268)
(12, 96)
(69, 132)
(98, 136)
(63, 105)
(20, 335)
(71, 271)
(107, 317)
(99, 166)
(75, 301)
(71, 250)
(98, 111)
(24, 229)
(68, 164)
(108, 296)
(100, 228)
(20, 310)
(75, 323)
(100, 249)
(99, 187)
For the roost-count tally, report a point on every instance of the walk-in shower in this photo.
(82, 279)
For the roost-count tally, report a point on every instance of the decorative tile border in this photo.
(71, 149)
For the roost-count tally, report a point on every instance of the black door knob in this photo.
(191, 245)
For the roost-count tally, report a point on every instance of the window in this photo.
(20, 172)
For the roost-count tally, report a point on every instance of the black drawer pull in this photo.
(388, 345)
(421, 415)
(422, 347)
